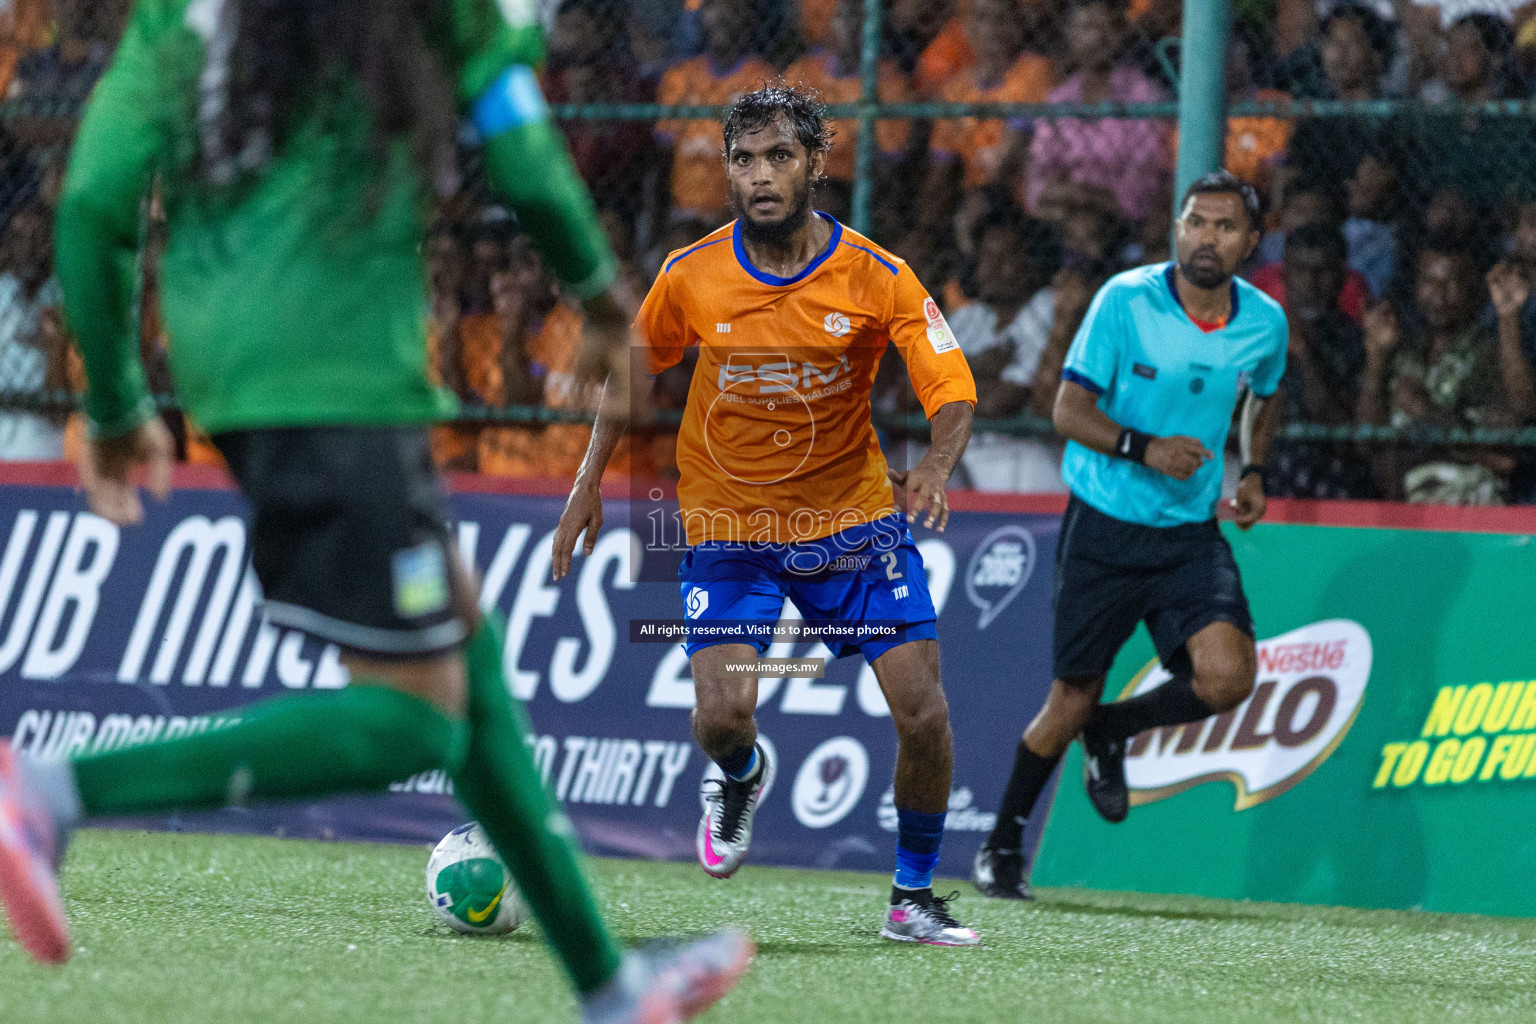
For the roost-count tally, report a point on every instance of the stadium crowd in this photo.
(1401, 241)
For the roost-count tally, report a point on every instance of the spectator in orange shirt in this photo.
(1254, 144)
(1004, 72)
(453, 444)
(23, 27)
(726, 68)
(834, 74)
(491, 248)
(936, 30)
(946, 48)
(816, 18)
(538, 344)
(464, 334)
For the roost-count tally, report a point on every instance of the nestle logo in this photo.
(1311, 684)
(1143, 370)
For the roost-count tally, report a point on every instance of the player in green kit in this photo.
(293, 142)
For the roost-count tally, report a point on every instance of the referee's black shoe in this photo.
(1000, 874)
(1104, 775)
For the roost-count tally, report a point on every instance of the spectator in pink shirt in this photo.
(1128, 158)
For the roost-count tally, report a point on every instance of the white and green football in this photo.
(470, 887)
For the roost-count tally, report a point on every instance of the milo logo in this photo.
(1311, 683)
(474, 889)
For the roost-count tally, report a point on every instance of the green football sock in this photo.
(502, 788)
(356, 739)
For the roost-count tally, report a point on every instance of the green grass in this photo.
(178, 928)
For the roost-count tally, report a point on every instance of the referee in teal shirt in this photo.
(1148, 392)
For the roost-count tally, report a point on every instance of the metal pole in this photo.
(869, 97)
(1202, 91)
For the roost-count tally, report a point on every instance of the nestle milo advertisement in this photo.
(1387, 756)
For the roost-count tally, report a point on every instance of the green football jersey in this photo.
(298, 297)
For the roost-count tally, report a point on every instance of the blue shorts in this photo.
(865, 583)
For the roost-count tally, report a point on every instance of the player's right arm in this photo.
(117, 148)
(122, 137)
(661, 332)
(1090, 370)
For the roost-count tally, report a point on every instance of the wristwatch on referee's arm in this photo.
(1252, 469)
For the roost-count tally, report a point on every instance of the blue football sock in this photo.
(740, 764)
(918, 836)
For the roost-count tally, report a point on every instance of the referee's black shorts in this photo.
(1111, 574)
(350, 535)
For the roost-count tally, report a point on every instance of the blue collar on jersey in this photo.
(1170, 274)
(746, 264)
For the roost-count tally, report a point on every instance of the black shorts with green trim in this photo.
(350, 535)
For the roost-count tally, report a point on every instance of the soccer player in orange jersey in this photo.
(783, 488)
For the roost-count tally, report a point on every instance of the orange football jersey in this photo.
(776, 444)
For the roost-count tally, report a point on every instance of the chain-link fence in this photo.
(1016, 153)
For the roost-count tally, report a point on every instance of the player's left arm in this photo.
(942, 380)
(1256, 425)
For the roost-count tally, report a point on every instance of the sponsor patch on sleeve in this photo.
(939, 335)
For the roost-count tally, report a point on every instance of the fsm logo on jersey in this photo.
(830, 782)
(999, 568)
(1311, 684)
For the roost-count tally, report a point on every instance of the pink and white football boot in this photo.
(30, 848)
(725, 830)
(917, 915)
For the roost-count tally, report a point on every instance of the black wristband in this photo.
(1250, 469)
(1132, 445)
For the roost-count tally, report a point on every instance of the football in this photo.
(470, 887)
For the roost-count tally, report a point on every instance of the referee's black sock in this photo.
(1173, 703)
(1030, 774)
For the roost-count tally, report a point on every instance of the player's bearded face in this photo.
(1215, 236)
(770, 177)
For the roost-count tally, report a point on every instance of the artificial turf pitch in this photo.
(186, 928)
